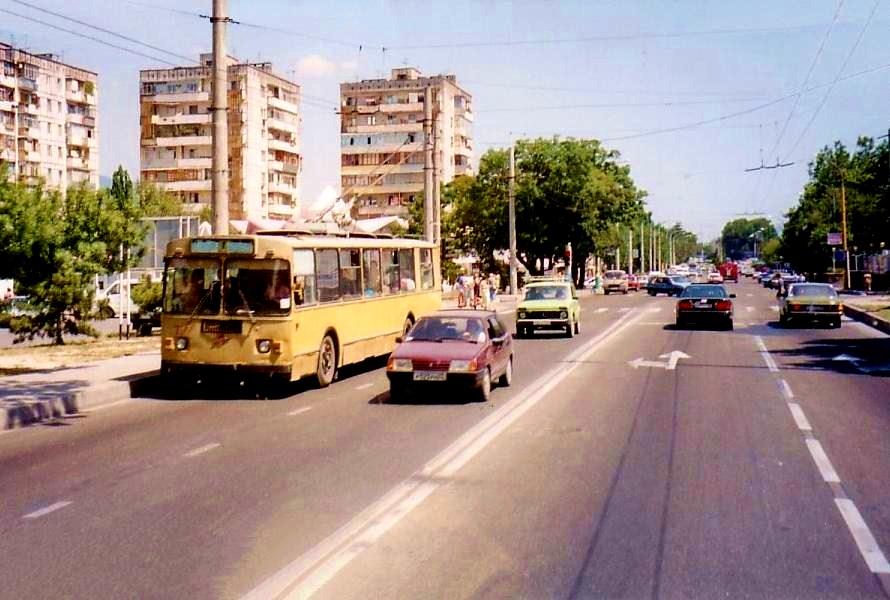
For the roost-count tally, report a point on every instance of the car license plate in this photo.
(702, 304)
(812, 309)
(430, 375)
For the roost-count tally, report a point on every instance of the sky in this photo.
(690, 93)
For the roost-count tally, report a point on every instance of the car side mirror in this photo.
(399, 339)
(732, 295)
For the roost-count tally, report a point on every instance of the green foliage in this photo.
(88, 88)
(54, 245)
(771, 251)
(147, 295)
(864, 175)
(566, 190)
(739, 235)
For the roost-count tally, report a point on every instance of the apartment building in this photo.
(264, 137)
(48, 119)
(382, 139)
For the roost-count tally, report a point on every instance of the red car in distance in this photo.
(633, 283)
(459, 351)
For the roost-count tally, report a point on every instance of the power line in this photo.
(806, 80)
(600, 90)
(840, 71)
(605, 38)
(614, 105)
(88, 37)
(102, 29)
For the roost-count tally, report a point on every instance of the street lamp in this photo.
(754, 235)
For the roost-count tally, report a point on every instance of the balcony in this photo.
(285, 210)
(380, 148)
(31, 109)
(191, 185)
(79, 96)
(199, 119)
(186, 140)
(283, 146)
(8, 155)
(407, 107)
(81, 119)
(384, 128)
(279, 125)
(204, 162)
(32, 156)
(390, 188)
(7, 80)
(7, 105)
(283, 105)
(377, 169)
(463, 169)
(78, 140)
(27, 84)
(31, 132)
(279, 187)
(180, 97)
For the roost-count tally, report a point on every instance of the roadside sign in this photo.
(835, 239)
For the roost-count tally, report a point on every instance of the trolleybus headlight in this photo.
(521, 314)
(400, 364)
(264, 346)
(182, 343)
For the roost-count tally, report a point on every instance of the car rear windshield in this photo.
(615, 274)
(813, 290)
(547, 292)
(679, 278)
(704, 291)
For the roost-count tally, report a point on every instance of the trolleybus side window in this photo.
(350, 273)
(391, 272)
(328, 270)
(304, 277)
(371, 272)
(426, 269)
(406, 266)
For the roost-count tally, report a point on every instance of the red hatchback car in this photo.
(457, 350)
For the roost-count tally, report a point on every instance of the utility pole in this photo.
(630, 250)
(219, 109)
(428, 164)
(437, 207)
(844, 225)
(642, 248)
(512, 185)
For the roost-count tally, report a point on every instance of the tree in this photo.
(739, 236)
(54, 244)
(567, 191)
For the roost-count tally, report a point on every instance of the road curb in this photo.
(863, 316)
(26, 409)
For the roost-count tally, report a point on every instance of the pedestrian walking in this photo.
(484, 294)
(461, 292)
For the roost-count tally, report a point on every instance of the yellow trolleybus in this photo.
(291, 304)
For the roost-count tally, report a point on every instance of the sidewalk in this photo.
(42, 395)
(872, 309)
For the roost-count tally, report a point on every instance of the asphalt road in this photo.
(754, 468)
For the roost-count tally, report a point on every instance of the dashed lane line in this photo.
(602, 309)
(365, 386)
(865, 541)
(799, 418)
(47, 509)
(299, 411)
(201, 450)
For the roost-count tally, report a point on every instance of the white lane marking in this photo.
(749, 308)
(655, 309)
(749, 295)
(822, 462)
(799, 417)
(601, 310)
(299, 411)
(624, 310)
(46, 510)
(786, 390)
(764, 353)
(774, 308)
(866, 542)
(365, 386)
(320, 564)
(201, 450)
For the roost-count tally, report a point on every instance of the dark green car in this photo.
(810, 303)
(549, 305)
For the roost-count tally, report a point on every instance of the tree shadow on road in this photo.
(869, 356)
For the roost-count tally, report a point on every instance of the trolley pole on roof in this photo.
(219, 110)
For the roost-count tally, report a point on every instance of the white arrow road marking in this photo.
(749, 308)
(46, 510)
(670, 364)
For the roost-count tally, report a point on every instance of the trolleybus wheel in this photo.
(327, 362)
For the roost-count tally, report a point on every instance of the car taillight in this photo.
(723, 305)
(795, 307)
(684, 305)
(839, 307)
